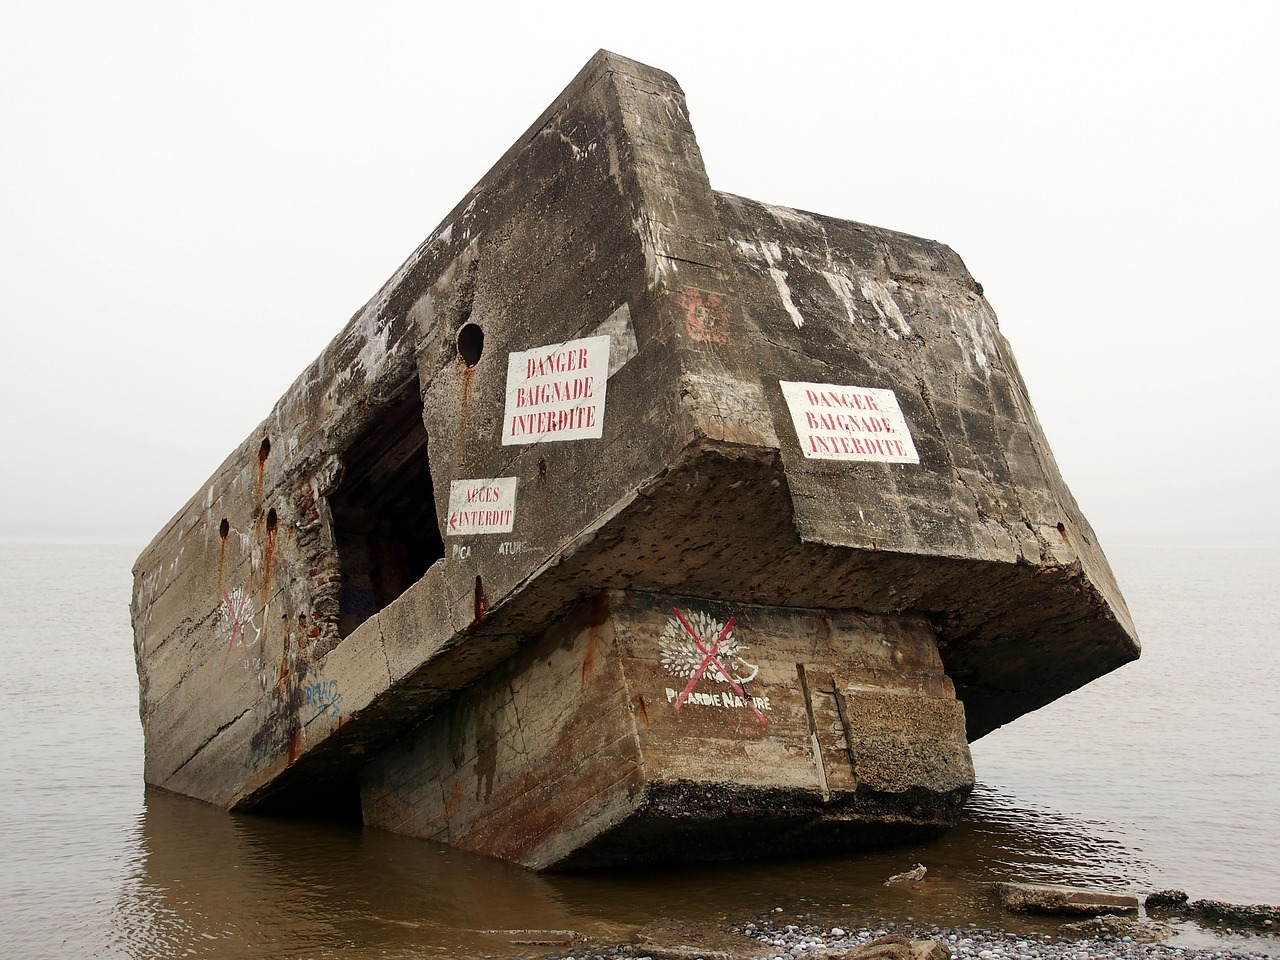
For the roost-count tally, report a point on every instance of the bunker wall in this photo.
(398, 453)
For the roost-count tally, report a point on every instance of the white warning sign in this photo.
(556, 392)
(481, 506)
(849, 423)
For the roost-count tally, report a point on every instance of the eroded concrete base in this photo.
(650, 727)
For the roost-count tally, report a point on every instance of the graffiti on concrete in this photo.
(698, 645)
(706, 316)
(324, 696)
(237, 615)
(726, 699)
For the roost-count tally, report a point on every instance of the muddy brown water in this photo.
(1161, 775)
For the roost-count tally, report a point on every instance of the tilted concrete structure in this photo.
(629, 520)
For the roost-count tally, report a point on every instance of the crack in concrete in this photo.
(212, 738)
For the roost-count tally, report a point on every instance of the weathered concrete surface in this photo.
(682, 940)
(598, 374)
(1258, 916)
(1062, 901)
(610, 739)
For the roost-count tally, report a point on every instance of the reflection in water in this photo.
(223, 885)
(1175, 751)
(994, 840)
(212, 884)
(1010, 841)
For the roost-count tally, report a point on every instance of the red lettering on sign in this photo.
(862, 446)
(838, 421)
(841, 398)
(579, 388)
(552, 421)
(558, 361)
(480, 518)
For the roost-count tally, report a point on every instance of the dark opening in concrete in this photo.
(482, 601)
(336, 800)
(384, 513)
(470, 344)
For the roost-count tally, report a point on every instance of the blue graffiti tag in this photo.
(325, 697)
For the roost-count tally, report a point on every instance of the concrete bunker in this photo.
(737, 524)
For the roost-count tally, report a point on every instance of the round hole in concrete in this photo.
(224, 528)
(470, 344)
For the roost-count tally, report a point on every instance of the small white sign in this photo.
(849, 423)
(556, 392)
(481, 506)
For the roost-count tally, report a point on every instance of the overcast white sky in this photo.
(195, 197)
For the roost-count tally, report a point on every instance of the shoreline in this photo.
(763, 940)
(1166, 926)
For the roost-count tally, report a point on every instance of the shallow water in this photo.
(1162, 774)
(1176, 752)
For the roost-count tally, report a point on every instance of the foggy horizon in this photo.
(196, 203)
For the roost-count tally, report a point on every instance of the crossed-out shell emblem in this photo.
(682, 658)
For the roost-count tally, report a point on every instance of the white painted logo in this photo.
(684, 652)
(849, 423)
(696, 645)
(556, 392)
(481, 506)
